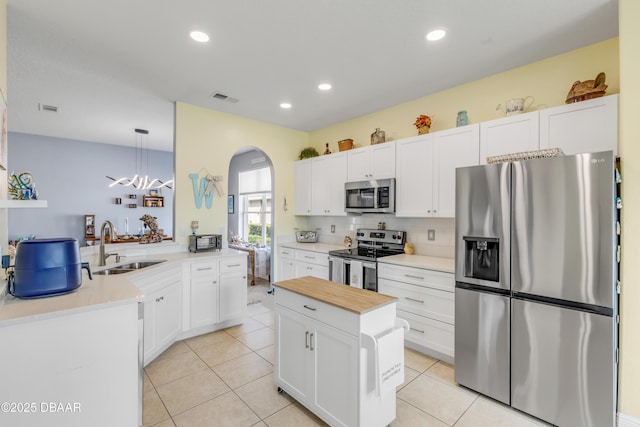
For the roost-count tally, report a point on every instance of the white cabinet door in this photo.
(452, 149)
(286, 262)
(314, 270)
(508, 135)
(359, 164)
(372, 162)
(292, 354)
(318, 364)
(320, 185)
(232, 297)
(302, 192)
(383, 160)
(414, 189)
(168, 314)
(336, 184)
(336, 384)
(328, 175)
(203, 307)
(581, 127)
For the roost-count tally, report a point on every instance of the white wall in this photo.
(71, 176)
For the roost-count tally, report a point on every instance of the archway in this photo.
(250, 220)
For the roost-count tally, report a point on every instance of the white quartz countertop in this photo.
(314, 247)
(103, 290)
(446, 265)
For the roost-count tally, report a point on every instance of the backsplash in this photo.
(417, 231)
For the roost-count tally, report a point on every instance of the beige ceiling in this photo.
(112, 66)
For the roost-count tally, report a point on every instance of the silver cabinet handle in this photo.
(233, 265)
(417, 330)
(414, 277)
(311, 342)
(306, 339)
(414, 300)
(205, 268)
(309, 308)
(310, 257)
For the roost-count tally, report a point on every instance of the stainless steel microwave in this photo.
(373, 196)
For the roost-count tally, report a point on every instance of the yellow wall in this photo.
(630, 157)
(548, 81)
(207, 139)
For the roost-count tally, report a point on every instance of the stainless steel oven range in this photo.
(358, 266)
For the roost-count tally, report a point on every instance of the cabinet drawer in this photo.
(287, 253)
(429, 333)
(432, 303)
(312, 257)
(233, 265)
(418, 276)
(333, 316)
(204, 269)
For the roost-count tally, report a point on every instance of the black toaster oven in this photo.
(205, 242)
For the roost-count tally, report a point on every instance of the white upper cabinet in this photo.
(426, 168)
(302, 192)
(414, 178)
(453, 148)
(582, 127)
(508, 135)
(328, 175)
(372, 162)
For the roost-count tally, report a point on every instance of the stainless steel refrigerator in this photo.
(536, 275)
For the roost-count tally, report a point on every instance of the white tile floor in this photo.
(225, 378)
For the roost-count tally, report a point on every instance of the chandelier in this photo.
(139, 181)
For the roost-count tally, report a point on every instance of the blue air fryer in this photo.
(46, 267)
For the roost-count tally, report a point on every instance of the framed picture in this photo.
(230, 204)
(3, 135)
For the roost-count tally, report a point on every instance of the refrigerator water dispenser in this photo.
(481, 255)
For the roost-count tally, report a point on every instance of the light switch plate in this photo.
(431, 234)
(333, 228)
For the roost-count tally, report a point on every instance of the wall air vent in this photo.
(222, 97)
(48, 108)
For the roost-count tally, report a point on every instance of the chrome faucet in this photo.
(103, 256)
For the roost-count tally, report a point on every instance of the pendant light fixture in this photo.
(140, 181)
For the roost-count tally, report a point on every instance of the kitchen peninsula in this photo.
(85, 348)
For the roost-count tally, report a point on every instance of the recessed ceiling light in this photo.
(324, 86)
(199, 36)
(285, 105)
(436, 34)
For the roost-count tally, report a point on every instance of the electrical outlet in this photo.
(431, 234)
(333, 228)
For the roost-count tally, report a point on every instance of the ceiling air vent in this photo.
(48, 108)
(222, 97)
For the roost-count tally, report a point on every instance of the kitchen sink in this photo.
(127, 268)
(136, 265)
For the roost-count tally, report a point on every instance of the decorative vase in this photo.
(423, 130)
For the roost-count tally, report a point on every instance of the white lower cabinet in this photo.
(232, 293)
(216, 292)
(310, 263)
(319, 366)
(162, 311)
(203, 298)
(320, 361)
(426, 299)
(287, 263)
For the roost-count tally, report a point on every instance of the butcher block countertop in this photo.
(352, 299)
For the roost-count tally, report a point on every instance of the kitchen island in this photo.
(339, 350)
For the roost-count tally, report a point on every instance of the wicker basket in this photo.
(345, 144)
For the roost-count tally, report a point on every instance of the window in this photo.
(254, 206)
